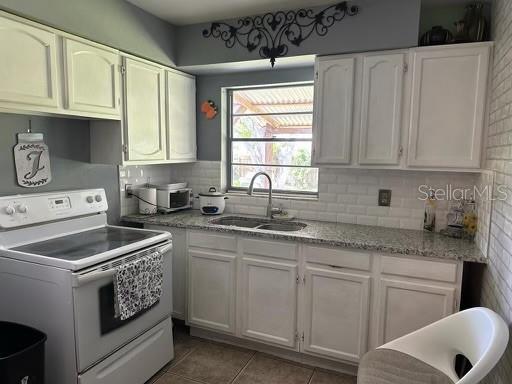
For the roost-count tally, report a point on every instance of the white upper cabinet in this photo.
(381, 108)
(181, 116)
(28, 66)
(333, 110)
(144, 124)
(91, 78)
(448, 105)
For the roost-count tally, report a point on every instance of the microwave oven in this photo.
(171, 200)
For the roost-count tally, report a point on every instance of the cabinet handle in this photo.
(400, 151)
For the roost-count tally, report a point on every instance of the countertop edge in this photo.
(452, 255)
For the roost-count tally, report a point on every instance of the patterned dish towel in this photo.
(138, 285)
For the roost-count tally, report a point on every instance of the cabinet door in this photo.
(92, 78)
(336, 313)
(144, 123)
(405, 307)
(269, 301)
(334, 96)
(28, 70)
(448, 104)
(381, 109)
(211, 284)
(181, 116)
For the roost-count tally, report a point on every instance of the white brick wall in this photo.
(200, 176)
(345, 195)
(497, 282)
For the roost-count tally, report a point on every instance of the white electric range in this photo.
(58, 257)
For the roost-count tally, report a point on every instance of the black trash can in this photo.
(21, 354)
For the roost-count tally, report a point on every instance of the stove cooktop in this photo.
(86, 244)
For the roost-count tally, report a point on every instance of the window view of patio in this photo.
(271, 131)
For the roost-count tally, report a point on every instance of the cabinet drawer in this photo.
(281, 250)
(338, 257)
(422, 269)
(212, 241)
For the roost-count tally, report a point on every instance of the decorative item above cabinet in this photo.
(372, 111)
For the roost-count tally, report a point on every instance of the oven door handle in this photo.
(165, 248)
(80, 280)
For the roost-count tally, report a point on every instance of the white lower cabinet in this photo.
(211, 295)
(407, 306)
(326, 302)
(268, 302)
(336, 313)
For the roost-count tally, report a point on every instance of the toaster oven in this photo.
(171, 200)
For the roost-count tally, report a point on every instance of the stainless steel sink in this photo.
(283, 227)
(257, 223)
(237, 222)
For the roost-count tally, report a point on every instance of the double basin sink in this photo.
(259, 223)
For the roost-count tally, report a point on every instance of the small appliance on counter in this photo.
(147, 200)
(173, 197)
(212, 202)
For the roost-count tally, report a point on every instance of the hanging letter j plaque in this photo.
(32, 160)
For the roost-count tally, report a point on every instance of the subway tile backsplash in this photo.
(345, 195)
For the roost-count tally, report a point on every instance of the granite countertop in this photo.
(370, 238)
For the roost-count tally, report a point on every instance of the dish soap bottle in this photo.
(429, 221)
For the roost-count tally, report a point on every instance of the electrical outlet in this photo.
(384, 197)
(128, 190)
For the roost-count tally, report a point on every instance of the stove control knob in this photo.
(98, 198)
(22, 208)
(90, 199)
(10, 210)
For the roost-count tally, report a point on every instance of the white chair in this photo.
(477, 333)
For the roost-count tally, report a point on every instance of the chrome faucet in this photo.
(270, 210)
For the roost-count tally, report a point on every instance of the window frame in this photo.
(230, 140)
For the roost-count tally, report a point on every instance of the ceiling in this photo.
(183, 12)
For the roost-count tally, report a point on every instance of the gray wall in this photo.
(209, 88)
(69, 145)
(116, 23)
(379, 25)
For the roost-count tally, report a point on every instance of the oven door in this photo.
(98, 332)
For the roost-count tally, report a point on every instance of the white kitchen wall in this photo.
(345, 195)
(497, 279)
(485, 185)
(138, 176)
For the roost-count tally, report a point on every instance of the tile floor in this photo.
(199, 361)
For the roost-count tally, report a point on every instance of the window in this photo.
(271, 131)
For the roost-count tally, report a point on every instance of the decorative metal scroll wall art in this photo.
(272, 32)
